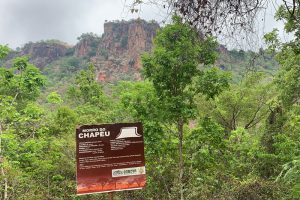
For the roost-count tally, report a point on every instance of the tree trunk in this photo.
(180, 137)
(48, 183)
(4, 195)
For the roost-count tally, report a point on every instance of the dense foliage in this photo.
(206, 137)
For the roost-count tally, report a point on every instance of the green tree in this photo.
(172, 67)
(23, 81)
(86, 89)
(87, 98)
(139, 102)
(283, 125)
(243, 105)
(206, 153)
(19, 86)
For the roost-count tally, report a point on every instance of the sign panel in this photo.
(110, 157)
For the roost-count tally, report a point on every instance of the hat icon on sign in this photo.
(127, 132)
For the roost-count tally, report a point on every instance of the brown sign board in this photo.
(110, 157)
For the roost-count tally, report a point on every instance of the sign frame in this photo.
(110, 158)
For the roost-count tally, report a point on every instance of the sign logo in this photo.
(128, 132)
(128, 171)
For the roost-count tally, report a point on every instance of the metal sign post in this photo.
(111, 196)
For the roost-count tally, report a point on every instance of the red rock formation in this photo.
(101, 76)
(121, 47)
(82, 48)
(43, 53)
(87, 45)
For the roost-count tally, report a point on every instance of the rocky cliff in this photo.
(43, 53)
(128, 37)
(118, 52)
(87, 45)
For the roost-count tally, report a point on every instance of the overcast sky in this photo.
(22, 21)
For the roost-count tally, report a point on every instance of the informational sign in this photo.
(110, 157)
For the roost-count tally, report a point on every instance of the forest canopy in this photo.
(207, 134)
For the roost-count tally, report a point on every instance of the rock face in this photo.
(116, 54)
(128, 37)
(122, 44)
(87, 45)
(43, 53)
(82, 48)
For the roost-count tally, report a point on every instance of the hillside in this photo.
(116, 54)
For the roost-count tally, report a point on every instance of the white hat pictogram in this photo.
(127, 132)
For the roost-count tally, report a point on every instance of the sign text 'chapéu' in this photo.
(94, 132)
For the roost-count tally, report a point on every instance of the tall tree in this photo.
(173, 67)
(282, 135)
(242, 105)
(18, 85)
